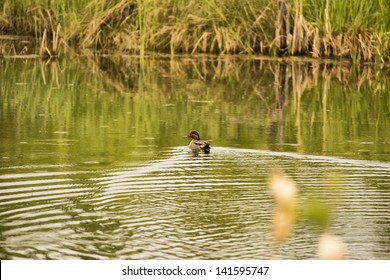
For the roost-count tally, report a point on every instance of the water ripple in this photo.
(180, 206)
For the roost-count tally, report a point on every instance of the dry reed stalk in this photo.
(282, 25)
(303, 32)
(379, 48)
(47, 51)
(201, 41)
(327, 21)
(43, 49)
(316, 44)
(56, 40)
(93, 28)
(297, 36)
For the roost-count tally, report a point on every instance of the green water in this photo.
(93, 163)
(70, 111)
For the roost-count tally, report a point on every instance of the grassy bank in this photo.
(353, 29)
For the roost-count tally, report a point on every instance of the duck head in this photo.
(194, 135)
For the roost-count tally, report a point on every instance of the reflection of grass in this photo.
(229, 100)
(353, 29)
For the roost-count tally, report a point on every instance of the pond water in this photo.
(93, 164)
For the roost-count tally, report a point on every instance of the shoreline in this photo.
(304, 29)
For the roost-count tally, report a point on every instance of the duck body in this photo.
(196, 144)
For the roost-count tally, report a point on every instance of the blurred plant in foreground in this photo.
(331, 247)
(314, 211)
(284, 191)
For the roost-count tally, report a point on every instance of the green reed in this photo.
(354, 29)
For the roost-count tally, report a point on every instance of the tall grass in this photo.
(354, 29)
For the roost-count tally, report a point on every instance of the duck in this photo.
(196, 144)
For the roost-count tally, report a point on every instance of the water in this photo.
(93, 165)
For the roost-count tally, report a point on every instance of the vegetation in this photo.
(353, 29)
(285, 193)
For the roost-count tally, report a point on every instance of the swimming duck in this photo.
(196, 144)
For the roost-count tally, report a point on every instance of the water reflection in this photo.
(291, 106)
(92, 163)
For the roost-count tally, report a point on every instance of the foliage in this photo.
(352, 29)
